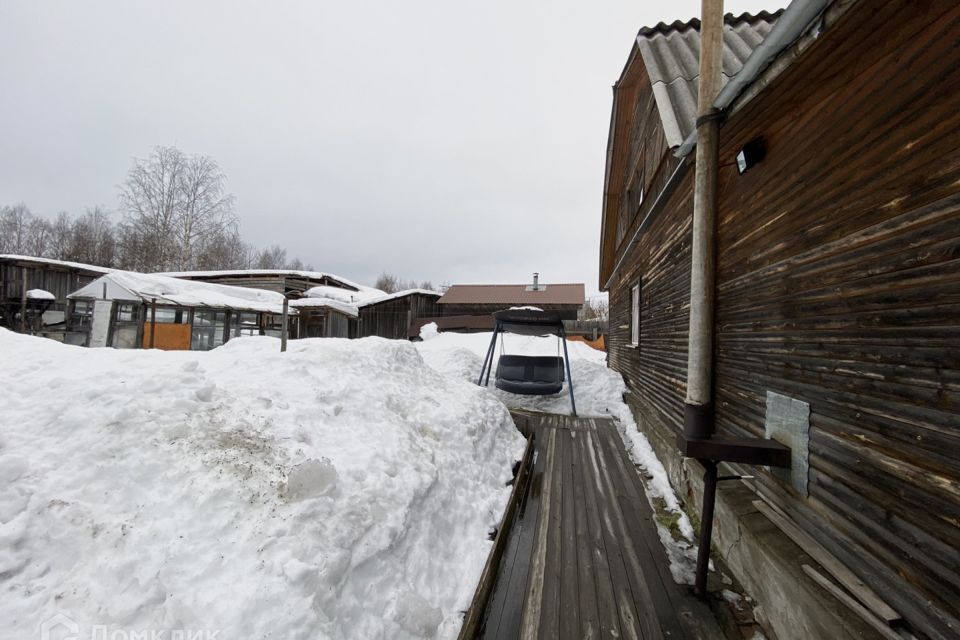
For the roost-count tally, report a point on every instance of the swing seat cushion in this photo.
(530, 375)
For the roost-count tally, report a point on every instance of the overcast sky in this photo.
(456, 141)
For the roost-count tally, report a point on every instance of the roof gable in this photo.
(671, 55)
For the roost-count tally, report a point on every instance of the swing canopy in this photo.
(529, 375)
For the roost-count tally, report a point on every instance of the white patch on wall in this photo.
(100, 327)
(788, 422)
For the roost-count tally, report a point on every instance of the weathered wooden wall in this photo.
(839, 285)
(392, 318)
(59, 281)
(567, 311)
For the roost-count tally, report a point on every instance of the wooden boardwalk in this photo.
(582, 557)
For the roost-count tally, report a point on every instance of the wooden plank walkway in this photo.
(583, 558)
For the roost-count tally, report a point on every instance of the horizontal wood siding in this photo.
(839, 285)
(655, 371)
(567, 311)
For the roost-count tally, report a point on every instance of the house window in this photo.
(209, 328)
(635, 315)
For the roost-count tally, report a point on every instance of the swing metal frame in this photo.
(532, 323)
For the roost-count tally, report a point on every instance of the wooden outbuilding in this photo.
(837, 287)
(128, 310)
(485, 299)
(394, 315)
(23, 307)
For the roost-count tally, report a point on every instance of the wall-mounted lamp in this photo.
(751, 153)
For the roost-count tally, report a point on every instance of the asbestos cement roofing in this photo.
(671, 55)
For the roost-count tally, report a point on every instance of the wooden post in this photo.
(698, 418)
(153, 321)
(283, 329)
(23, 302)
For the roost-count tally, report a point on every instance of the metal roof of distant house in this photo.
(671, 54)
(514, 294)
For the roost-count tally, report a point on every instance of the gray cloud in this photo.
(459, 141)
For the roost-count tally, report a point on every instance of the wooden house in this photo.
(485, 299)
(128, 310)
(837, 290)
(393, 316)
(22, 305)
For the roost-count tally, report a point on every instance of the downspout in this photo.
(698, 412)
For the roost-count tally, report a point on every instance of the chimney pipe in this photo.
(536, 281)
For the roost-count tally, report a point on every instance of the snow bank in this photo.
(599, 392)
(342, 489)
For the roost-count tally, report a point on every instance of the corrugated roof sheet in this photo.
(671, 55)
(514, 294)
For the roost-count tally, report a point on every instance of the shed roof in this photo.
(49, 262)
(514, 294)
(143, 287)
(316, 276)
(398, 294)
(671, 55)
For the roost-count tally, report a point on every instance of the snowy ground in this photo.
(343, 489)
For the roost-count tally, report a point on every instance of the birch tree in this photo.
(173, 205)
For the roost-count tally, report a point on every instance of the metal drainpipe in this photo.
(699, 401)
(698, 412)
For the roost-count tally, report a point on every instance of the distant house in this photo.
(128, 310)
(485, 299)
(24, 280)
(394, 315)
(837, 288)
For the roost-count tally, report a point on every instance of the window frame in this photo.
(635, 314)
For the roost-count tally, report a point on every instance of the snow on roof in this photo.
(128, 285)
(314, 303)
(309, 275)
(39, 294)
(344, 295)
(398, 294)
(55, 263)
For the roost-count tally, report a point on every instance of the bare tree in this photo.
(387, 282)
(271, 258)
(173, 205)
(92, 239)
(61, 236)
(39, 232)
(14, 228)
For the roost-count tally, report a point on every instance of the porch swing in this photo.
(528, 375)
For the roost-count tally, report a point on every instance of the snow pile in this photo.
(342, 489)
(39, 294)
(345, 295)
(599, 392)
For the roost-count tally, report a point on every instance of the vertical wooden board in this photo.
(607, 610)
(642, 607)
(533, 599)
(550, 611)
(569, 582)
(506, 609)
(621, 593)
(586, 580)
(679, 613)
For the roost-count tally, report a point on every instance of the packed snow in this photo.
(343, 489)
(39, 294)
